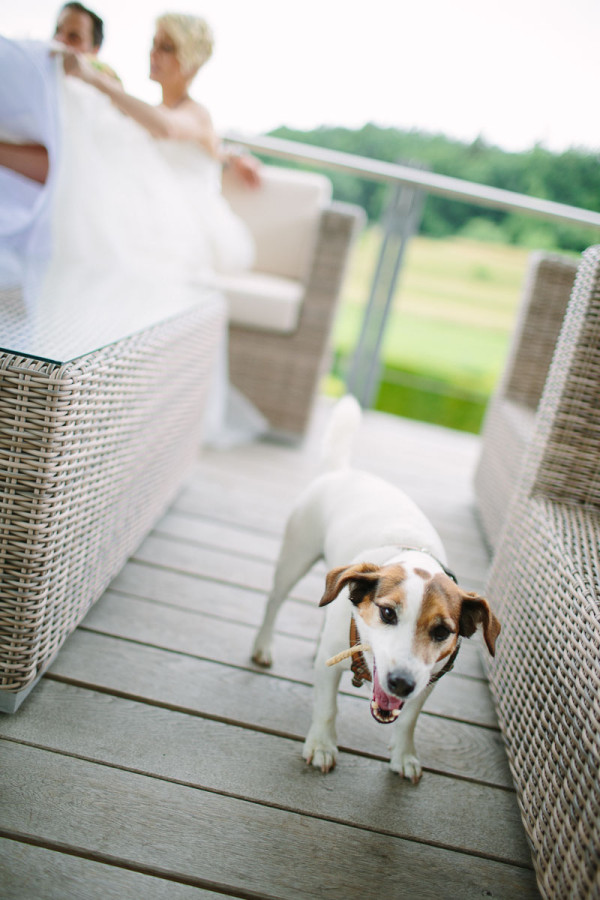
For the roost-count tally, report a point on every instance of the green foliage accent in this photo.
(572, 177)
(448, 332)
(430, 400)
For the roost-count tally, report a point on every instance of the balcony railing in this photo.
(411, 185)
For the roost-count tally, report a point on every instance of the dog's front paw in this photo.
(407, 765)
(320, 749)
(261, 654)
(262, 658)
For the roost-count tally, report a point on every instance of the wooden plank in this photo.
(219, 842)
(449, 504)
(221, 565)
(432, 461)
(233, 603)
(28, 872)
(231, 499)
(228, 566)
(221, 536)
(210, 532)
(436, 463)
(467, 552)
(229, 503)
(383, 441)
(271, 704)
(468, 561)
(224, 600)
(267, 769)
(205, 636)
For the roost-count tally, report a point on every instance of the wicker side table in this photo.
(92, 449)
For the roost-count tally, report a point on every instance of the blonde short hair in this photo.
(192, 37)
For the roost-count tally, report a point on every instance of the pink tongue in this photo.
(383, 700)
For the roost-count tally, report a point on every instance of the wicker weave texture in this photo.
(91, 451)
(570, 466)
(280, 372)
(548, 286)
(546, 683)
(545, 587)
(508, 429)
(509, 418)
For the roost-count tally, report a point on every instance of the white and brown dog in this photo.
(392, 593)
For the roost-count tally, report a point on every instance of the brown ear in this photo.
(364, 575)
(476, 611)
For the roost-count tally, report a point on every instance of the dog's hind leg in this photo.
(301, 548)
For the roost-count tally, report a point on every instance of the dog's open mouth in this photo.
(384, 709)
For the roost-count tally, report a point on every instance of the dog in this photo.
(388, 593)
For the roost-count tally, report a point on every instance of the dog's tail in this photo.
(339, 434)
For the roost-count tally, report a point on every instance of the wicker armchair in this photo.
(545, 587)
(509, 419)
(276, 355)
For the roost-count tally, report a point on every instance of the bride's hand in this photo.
(89, 69)
(74, 63)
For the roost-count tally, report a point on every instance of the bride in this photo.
(137, 187)
(184, 133)
(185, 144)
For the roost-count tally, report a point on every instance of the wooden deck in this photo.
(154, 760)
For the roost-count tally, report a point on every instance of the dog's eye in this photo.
(388, 615)
(440, 633)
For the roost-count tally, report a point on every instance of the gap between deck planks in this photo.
(148, 710)
(216, 842)
(267, 769)
(272, 704)
(160, 625)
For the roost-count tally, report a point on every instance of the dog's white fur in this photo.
(360, 525)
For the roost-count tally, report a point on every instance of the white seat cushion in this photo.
(266, 302)
(283, 215)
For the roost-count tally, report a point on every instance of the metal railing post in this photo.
(402, 219)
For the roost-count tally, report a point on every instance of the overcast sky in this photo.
(516, 73)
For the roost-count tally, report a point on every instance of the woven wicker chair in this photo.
(279, 370)
(509, 418)
(545, 587)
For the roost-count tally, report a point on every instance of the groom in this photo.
(80, 28)
(77, 27)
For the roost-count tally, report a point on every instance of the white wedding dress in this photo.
(116, 200)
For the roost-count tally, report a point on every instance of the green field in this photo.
(447, 337)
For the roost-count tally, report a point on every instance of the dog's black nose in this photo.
(400, 683)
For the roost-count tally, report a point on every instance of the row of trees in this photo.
(572, 177)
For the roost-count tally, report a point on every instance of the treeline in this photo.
(572, 177)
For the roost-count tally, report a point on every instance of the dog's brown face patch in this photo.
(388, 591)
(438, 624)
(422, 573)
(391, 585)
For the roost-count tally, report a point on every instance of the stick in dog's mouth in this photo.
(357, 648)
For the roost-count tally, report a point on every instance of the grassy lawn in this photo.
(447, 337)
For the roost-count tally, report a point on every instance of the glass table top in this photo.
(91, 311)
